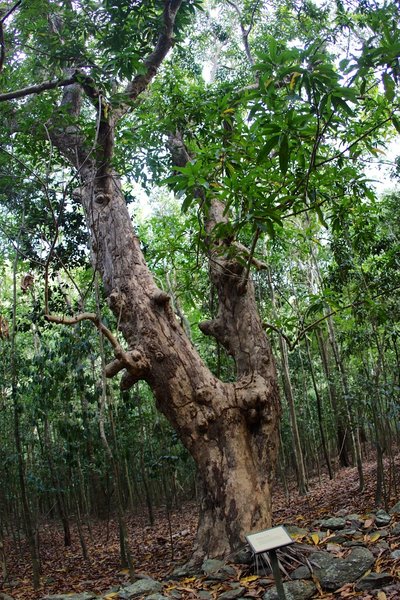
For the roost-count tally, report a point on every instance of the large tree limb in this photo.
(39, 88)
(162, 47)
(134, 361)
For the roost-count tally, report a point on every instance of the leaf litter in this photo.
(156, 553)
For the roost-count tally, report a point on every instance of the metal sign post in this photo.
(269, 541)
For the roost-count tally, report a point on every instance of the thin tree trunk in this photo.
(346, 395)
(287, 386)
(319, 410)
(126, 556)
(341, 431)
(60, 500)
(29, 527)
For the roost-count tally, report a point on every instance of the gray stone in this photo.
(184, 571)
(341, 537)
(382, 518)
(395, 554)
(294, 590)
(81, 596)
(175, 594)
(140, 588)
(231, 594)
(334, 523)
(295, 531)
(355, 519)
(204, 595)
(4, 596)
(353, 543)
(334, 572)
(383, 533)
(217, 570)
(243, 557)
(395, 510)
(156, 597)
(396, 529)
(302, 572)
(374, 581)
(212, 565)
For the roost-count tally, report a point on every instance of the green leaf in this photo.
(284, 153)
(186, 203)
(272, 142)
(396, 123)
(389, 86)
(339, 102)
(321, 217)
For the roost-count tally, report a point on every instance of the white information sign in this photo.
(270, 539)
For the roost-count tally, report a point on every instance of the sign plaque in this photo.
(269, 541)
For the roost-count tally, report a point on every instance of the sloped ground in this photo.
(156, 554)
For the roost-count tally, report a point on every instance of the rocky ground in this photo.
(341, 550)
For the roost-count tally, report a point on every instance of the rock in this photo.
(395, 510)
(353, 543)
(221, 575)
(341, 537)
(176, 594)
(374, 581)
(395, 555)
(212, 565)
(355, 520)
(140, 588)
(383, 533)
(184, 571)
(382, 518)
(156, 597)
(302, 572)
(204, 595)
(4, 596)
(231, 594)
(396, 529)
(81, 596)
(334, 523)
(294, 590)
(295, 531)
(243, 557)
(334, 572)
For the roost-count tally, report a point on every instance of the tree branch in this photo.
(163, 45)
(9, 12)
(134, 361)
(39, 88)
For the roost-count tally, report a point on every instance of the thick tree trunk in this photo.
(231, 429)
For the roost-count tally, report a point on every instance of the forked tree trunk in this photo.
(231, 429)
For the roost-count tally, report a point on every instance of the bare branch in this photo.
(293, 343)
(38, 89)
(245, 32)
(134, 361)
(9, 12)
(2, 47)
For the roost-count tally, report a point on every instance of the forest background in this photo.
(252, 130)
